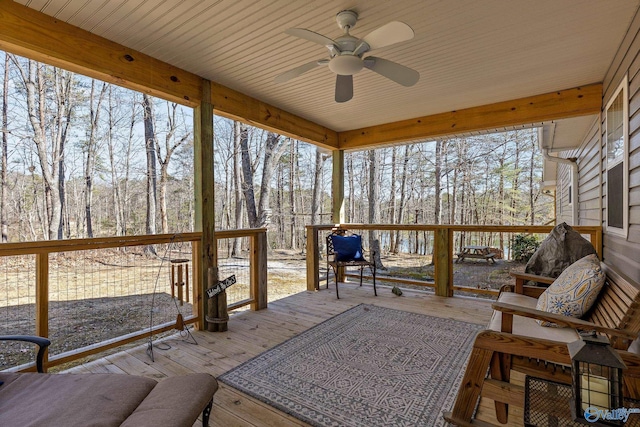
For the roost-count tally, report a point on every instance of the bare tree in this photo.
(119, 156)
(150, 144)
(392, 199)
(49, 123)
(316, 198)
(293, 167)
(403, 196)
(171, 143)
(4, 162)
(274, 149)
(247, 178)
(237, 184)
(532, 193)
(374, 203)
(91, 150)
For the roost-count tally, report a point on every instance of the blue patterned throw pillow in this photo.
(347, 248)
(574, 291)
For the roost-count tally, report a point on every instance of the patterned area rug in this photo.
(369, 366)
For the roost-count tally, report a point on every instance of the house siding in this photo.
(589, 178)
(564, 210)
(619, 252)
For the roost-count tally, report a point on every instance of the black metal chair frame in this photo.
(41, 342)
(334, 264)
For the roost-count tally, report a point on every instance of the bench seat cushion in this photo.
(175, 401)
(526, 326)
(82, 400)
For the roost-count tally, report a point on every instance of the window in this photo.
(617, 135)
(570, 188)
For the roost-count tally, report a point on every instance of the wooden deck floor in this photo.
(251, 333)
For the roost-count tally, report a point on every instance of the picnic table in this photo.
(477, 252)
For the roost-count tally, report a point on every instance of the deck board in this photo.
(251, 333)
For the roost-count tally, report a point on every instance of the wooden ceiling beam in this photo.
(579, 101)
(32, 34)
(234, 105)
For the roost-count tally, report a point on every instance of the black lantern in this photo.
(597, 381)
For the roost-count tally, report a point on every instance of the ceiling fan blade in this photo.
(391, 33)
(344, 88)
(295, 72)
(312, 37)
(392, 70)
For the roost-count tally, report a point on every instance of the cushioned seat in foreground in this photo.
(86, 400)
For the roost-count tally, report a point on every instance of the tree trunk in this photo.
(171, 144)
(531, 183)
(237, 185)
(91, 151)
(293, 166)
(392, 199)
(274, 148)
(317, 190)
(374, 210)
(403, 196)
(115, 184)
(515, 184)
(247, 178)
(4, 227)
(437, 208)
(126, 211)
(150, 145)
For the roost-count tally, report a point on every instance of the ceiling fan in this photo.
(346, 54)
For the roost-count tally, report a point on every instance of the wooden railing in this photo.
(257, 297)
(443, 250)
(42, 278)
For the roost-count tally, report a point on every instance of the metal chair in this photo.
(335, 260)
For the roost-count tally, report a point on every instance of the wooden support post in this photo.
(259, 271)
(42, 299)
(337, 187)
(443, 261)
(205, 210)
(337, 202)
(217, 314)
(313, 259)
(196, 286)
(596, 241)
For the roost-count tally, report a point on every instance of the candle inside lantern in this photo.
(595, 392)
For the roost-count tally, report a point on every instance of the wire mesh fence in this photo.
(94, 295)
(234, 260)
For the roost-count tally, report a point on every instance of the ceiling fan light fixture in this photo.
(346, 65)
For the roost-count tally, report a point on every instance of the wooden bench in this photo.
(515, 341)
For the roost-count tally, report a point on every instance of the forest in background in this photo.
(83, 158)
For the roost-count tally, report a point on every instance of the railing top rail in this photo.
(241, 232)
(49, 246)
(454, 227)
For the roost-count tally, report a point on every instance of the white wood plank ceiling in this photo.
(468, 52)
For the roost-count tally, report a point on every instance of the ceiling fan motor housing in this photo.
(347, 19)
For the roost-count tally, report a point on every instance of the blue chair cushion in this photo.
(347, 248)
